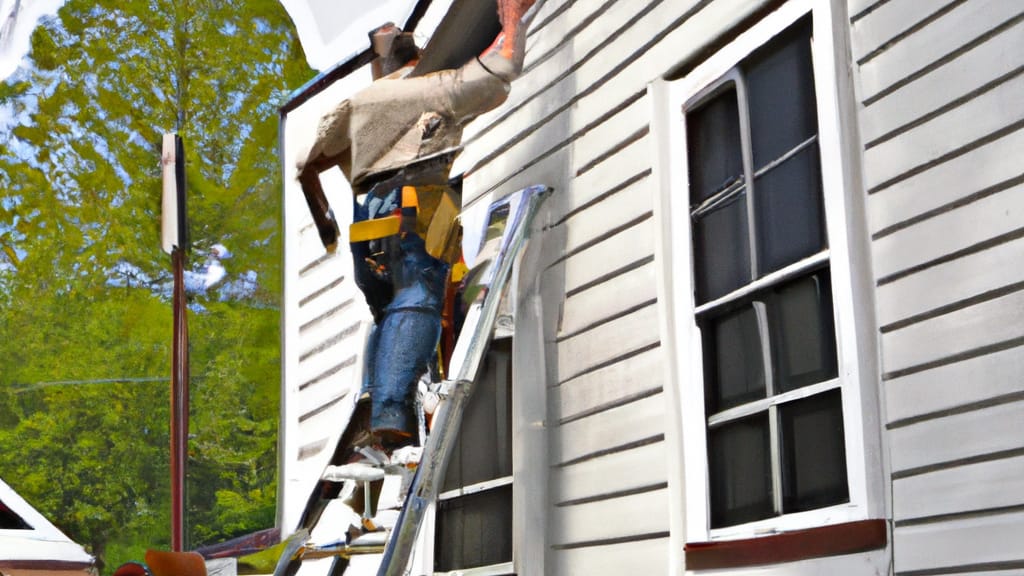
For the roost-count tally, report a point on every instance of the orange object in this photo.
(163, 563)
(374, 229)
(409, 197)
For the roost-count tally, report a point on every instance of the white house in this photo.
(32, 546)
(771, 321)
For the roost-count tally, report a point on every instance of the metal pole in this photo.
(174, 241)
(179, 404)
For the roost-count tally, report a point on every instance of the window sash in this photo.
(791, 272)
(491, 405)
(744, 410)
(856, 342)
(736, 80)
(475, 488)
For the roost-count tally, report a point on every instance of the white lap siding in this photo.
(941, 86)
(579, 120)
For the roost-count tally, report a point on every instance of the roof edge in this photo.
(346, 66)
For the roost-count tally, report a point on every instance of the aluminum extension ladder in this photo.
(507, 227)
(504, 233)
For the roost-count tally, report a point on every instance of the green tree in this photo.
(84, 286)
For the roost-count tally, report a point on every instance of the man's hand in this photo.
(510, 13)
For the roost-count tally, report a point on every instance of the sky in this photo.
(332, 30)
(324, 26)
(16, 29)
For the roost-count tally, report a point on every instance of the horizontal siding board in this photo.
(622, 425)
(988, 323)
(632, 160)
(948, 182)
(564, 42)
(615, 253)
(619, 209)
(610, 474)
(320, 276)
(951, 282)
(673, 48)
(990, 60)
(954, 385)
(889, 20)
(589, 349)
(619, 294)
(324, 355)
(342, 314)
(563, 29)
(959, 436)
(660, 48)
(529, 95)
(340, 382)
(551, 170)
(320, 299)
(941, 36)
(310, 245)
(647, 557)
(973, 120)
(947, 233)
(327, 315)
(976, 487)
(554, 135)
(546, 21)
(856, 7)
(979, 540)
(518, 151)
(635, 375)
(592, 145)
(322, 423)
(635, 514)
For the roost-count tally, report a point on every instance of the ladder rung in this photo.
(358, 471)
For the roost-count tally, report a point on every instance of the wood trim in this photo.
(45, 565)
(242, 545)
(834, 540)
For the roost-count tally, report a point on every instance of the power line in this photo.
(39, 385)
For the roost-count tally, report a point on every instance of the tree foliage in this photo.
(85, 317)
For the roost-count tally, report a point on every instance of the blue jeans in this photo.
(398, 353)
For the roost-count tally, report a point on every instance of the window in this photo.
(772, 351)
(763, 290)
(474, 509)
(10, 520)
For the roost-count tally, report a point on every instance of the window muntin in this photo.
(762, 284)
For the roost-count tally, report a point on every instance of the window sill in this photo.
(834, 540)
(505, 569)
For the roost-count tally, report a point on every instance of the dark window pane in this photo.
(474, 530)
(790, 219)
(721, 249)
(734, 365)
(713, 142)
(813, 453)
(483, 450)
(740, 469)
(802, 332)
(9, 520)
(780, 85)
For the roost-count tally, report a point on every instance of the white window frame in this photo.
(848, 244)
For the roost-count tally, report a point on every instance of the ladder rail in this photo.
(491, 275)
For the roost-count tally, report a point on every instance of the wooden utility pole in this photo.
(174, 238)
